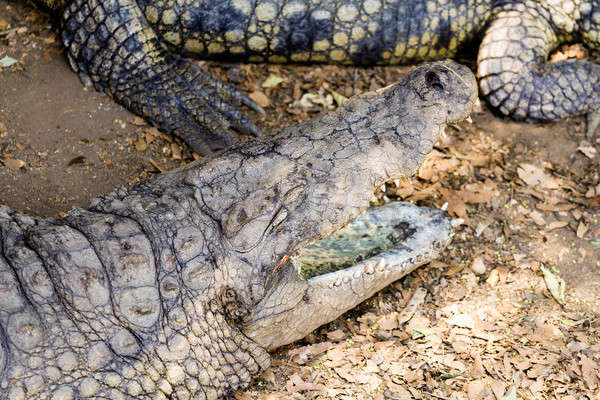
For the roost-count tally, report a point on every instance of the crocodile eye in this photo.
(433, 80)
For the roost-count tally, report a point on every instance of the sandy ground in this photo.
(486, 325)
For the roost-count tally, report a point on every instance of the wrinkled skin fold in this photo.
(131, 50)
(171, 288)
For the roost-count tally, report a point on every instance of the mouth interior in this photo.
(364, 237)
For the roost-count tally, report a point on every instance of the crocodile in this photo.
(132, 50)
(178, 287)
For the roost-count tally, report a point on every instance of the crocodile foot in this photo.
(112, 47)
(187, 102)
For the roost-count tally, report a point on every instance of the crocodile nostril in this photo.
(433, 80)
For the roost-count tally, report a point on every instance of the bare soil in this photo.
(483, 322)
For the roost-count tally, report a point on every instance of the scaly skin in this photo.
(128, 48)
(176, 287)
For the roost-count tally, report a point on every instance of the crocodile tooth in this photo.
(469, 119)
(369, 269)
(356, 274)
(380, 266)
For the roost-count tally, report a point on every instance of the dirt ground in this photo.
(482, 322)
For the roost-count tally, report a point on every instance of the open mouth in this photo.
(367, 237)
(338, 272)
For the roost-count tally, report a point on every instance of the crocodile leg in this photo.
(111, 45)
(516, 77)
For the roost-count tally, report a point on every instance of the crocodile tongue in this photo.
(397, 238)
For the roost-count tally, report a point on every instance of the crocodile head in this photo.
(373, 138)
(177, 287)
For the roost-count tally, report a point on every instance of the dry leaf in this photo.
(388, 322)
(138, 121)
(336, 335)
(462, 320)
(556, 225)
(141, 145)
(587, 149)
(272, 81)
(497, 387)
(537, 217)
(555, 284)
(14, 164)
(492, 280)
(589, 371)
(478, 390)
(478, 266)
(310, 100)
(417, 299)
(175, 151)
(535, 176)
(339, 99)
(582, 230)
(555, 207)
(260, 98)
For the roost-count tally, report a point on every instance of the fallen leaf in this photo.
(14, 164)
(497, 387)
(388, 322)
(138, 121)
(7, 62)
(555, 207)
(537, 217)
(511, 394)
(310, 100)
(272, 81)
(589, 372)
(582, 230)
(478, 266)
(462, 320)
(492, 280)
(555, 284)
(175, 151)
(303, 354)
(339, 99)
(296, 384)
(336, 335)
(556, 225)
(141, 145)
(260, 98)
(478, 390)
(535, 176)
(587, 149)
(413, 305)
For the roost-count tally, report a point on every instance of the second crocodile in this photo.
(129, 49)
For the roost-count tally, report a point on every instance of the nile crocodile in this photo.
(177, 287)
(131, 50)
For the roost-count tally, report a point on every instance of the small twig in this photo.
(8, 32)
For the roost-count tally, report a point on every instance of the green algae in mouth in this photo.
(363, 238)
